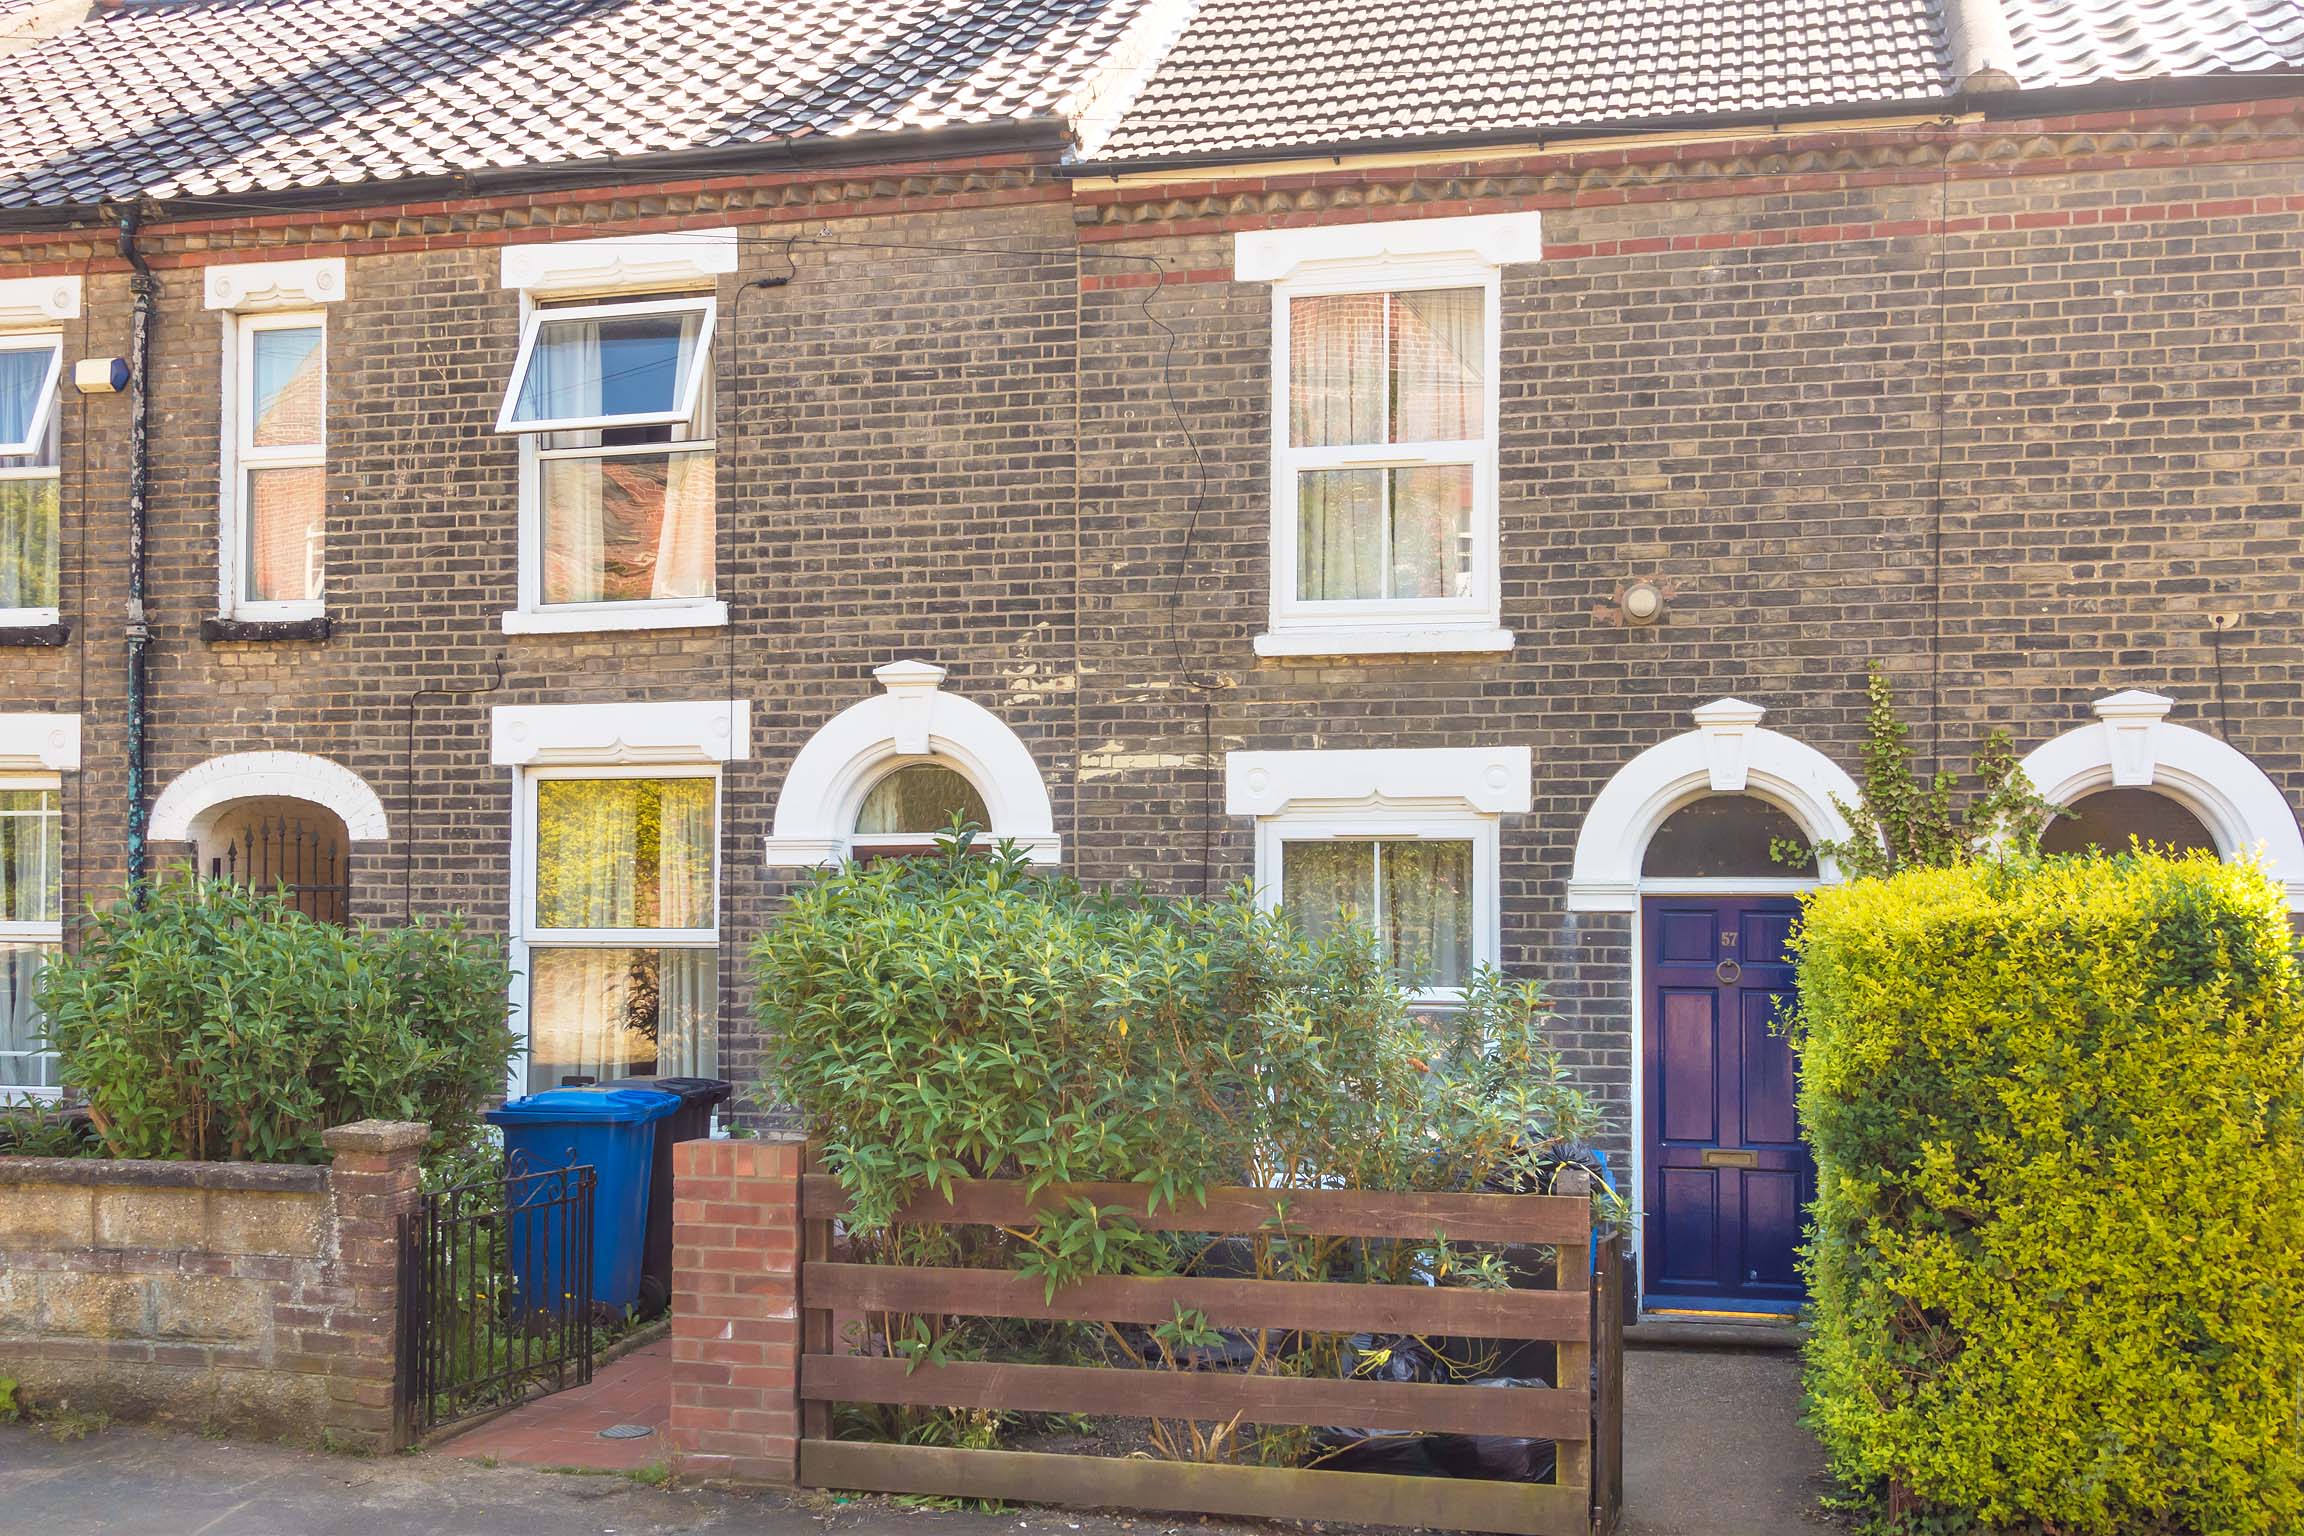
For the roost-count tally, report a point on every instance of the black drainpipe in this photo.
(139, 630)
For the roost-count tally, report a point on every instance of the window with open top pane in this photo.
(614, 401)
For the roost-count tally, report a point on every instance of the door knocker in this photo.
(1728, 971)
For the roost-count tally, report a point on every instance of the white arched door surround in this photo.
(911, 720)
(188, 807)
(1727, 754)
(2133, 745)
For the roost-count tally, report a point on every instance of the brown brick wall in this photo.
(2011, 408)
(735, 1309)
(223, 1295)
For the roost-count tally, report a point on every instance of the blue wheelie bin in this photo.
(613, 1130)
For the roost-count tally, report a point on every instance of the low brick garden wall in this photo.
(236, 1296)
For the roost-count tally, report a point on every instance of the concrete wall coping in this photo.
(103, 1172)
(377, 1136)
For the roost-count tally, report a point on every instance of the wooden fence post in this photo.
(1572, 1271)
(1608, 1386)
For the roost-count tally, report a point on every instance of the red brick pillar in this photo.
(735, 1308)
(371, 1183)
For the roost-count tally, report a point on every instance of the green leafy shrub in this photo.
(2058, 1259)
(217, 1022)
(963, 1016)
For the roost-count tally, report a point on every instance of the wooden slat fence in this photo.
(1581, 1317)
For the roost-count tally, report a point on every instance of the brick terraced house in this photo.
(585, 464)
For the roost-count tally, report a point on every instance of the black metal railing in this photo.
(496, 1280)
(274, 851)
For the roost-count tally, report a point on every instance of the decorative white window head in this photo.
(2133, 745)
(1487, 240)
(37, 301)
(39, 743)
(1479, 781)
(1728, 753)
(254, 286)
(912, 721)
(190, 803)
(683, 258)
(685, 731)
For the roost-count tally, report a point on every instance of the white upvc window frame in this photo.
(47, 934)
(534, 616)
(236, 515)
(534, 317)
(1316, 627)
(1398, 794)
(528, 936)
(1383, 825)
(44, 424)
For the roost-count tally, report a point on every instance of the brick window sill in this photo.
(264, 630)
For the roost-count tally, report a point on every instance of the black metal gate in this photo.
(496, 1281)
(272, 851)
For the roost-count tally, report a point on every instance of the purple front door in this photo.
(1728, 1178)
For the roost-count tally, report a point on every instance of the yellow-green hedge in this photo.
(2058, 1265)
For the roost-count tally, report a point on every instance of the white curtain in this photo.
(574, 553)
(1438, 365)
(1339, 534)
(22, 371)
(685, 851)
(686, 1043)
(1431, 516)
(563, 379)
(1428, 911)
(23, 1064)
(684, 541)
(1336, 370)
(606, 1013)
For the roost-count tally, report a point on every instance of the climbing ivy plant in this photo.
(1901, 823)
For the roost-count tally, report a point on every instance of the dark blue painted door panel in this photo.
(1728, 1178)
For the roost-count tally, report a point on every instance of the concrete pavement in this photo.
(1712, 1449)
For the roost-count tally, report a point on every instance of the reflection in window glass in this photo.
(28, 540)
(920, 800)
(605, 1013)
(287, 535)
(1722, 837)
(1415, 895)
(628, 527)
(624, 853)
(2107, 820)
(286, 395)
(31, 856)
